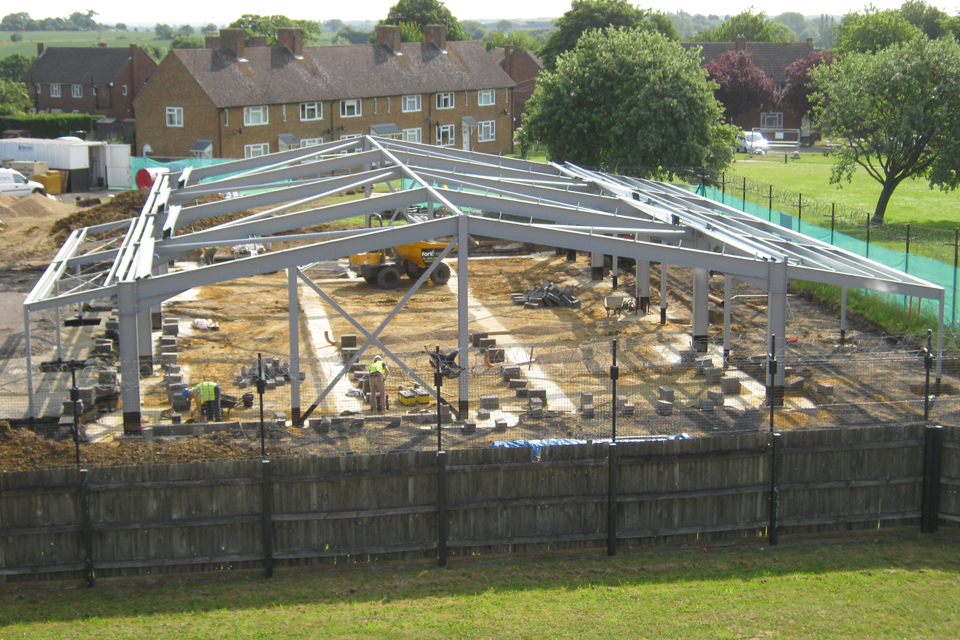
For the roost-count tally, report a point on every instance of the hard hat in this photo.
(377, 358)
(186, 393)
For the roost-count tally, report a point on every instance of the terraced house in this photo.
(235, 101)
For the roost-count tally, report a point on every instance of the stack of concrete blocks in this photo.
(824, 388)
(547, 295)
(538, 393)
(713, 399)
(167, 350)
(688, 357)
(488, 345)
(586, 404)
(730, 385)
(275, 373)
(665, 403)
(490, 403)
(105, 390)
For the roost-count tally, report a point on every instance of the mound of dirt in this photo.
(36, 206)
(23, 450)
(123, 205)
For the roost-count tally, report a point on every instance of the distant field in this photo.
(28, 46)
(913, 201)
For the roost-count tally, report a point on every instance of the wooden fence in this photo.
(151, 519)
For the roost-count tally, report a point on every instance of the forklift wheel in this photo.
(388, 278)
(440, 275)
(370, 279)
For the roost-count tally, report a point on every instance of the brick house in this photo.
(234, 101)
(773, 58)
(523, 67)
(103, 80)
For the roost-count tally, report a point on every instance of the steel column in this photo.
(777, 322)
(727, 313)
(129, 357)
(643, 284)
(463, 312)
(294, 319)
(701, 309)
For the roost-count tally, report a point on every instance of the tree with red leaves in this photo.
(800, 86)
(744, 87)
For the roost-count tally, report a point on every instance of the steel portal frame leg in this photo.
(294, 318)
(777, 323)
(663, 293)
(643, 284)
(701, 309)
(129, 357)
(463, 317)
(727, 316)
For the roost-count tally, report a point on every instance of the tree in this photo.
(253, 24)
(16, 22)
(826, 28)
(163, 31)
(422, 13)
(351, 36)
(334, 25)
(743, 86)
(519, 39)
(120, 26)
(84, 21)
(504, 25)
(14, 100)
(793, 21)
(896, 112)
(800, 87)
(473, 29)
(184, 30)
(871, 31)
(627, 98)
(756, 27)
(155, 52)
(14, 66)
(587, 15)
(188, 42)
(16, 36)
(928, 19)
(210, 28)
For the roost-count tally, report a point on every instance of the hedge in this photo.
(50, 125)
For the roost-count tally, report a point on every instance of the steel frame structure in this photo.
(548, 204)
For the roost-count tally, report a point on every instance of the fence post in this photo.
(86, 527)
(956, 265)
(612, 500)
(267, 516)
(723, 188)
(770, 202)
(927, 365)
(868, 237)
(776, 453)
(441, 508)
(930, 498)
(799, 210)
(744, 198)
(833, 219)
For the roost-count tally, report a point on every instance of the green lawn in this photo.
(28, 46)
(882, 585)
(913, 201)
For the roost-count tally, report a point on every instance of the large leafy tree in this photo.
(16, 22)
(928, 19)
(422, 13)
(14, 100)
(756, 27)
(587, 15)
(743, 86)
(800, 87)
(872, 30)
(14, 66)
(626, 98)
(253, 24)
(897, 113)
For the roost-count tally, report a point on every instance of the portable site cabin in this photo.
(90, 165)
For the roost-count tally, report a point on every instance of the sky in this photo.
(177, 12)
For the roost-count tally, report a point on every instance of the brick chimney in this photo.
(389, 36)
(39, 49)
(212, 42)
(257, 41)
(232, 39)
(740, 43)
(437, 34)
(508, 59)
(291, 38)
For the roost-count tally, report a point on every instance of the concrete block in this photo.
(824, 388)
(482, 414)
(730, 386)
(666, 394)
(487, 343)
(715, 396)
(356, 424)
(107, 376)
(707, 404)
(444, 410)
(628, 409)
(475, 338)
(664, 408)
(795, 383)
(621, 400)
(491, 402)
(348, 341)
(522, 392)
(469, 426)
(511, 373)
(588, 411)
(517, 384)
(586, 397)
(714, 375)
(499, 425)
(538, 393)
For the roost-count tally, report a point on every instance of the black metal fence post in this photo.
(799, 210)
(261, 388)
(868, 238)
(744, 198)
(438, 382)
(833, 219)
(927, 365)
(930, 498)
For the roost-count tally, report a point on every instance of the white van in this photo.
(12, 183)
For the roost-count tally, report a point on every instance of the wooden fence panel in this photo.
(834, 480)
(950, 478)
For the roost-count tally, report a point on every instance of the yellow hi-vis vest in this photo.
(206, 391)
(376, 367)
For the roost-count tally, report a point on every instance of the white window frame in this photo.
(446, 129)
(412, 135)
(446, 100)
(123, 89)
(76, 91)
(771, 120)
(256, 116)
(256, 150)
(307, 107)
(412, 103)
(56, 110)
(174, 116)
(486, 97)
(55, 91)
(351, 108)
(310, 142)
(487, 131)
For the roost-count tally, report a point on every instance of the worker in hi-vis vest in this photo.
(207, 397)
(376, 373)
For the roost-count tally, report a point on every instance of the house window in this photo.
(412, 135)
(486, 97)
(174, 116)
(310, 142)
(54, 91)
(350, 109)
(411, 103)
(445, 100)
(76, 91)
(311, 111)
(36, 88)
(488, 131)
(771, 120)
(76, 112)
(56, 110)
(256, 150)
(253, 116)
(123, 89)
(446, 135)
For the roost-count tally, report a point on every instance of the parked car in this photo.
(752, 142)
(12, 183)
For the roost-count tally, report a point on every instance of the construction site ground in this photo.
(570, 348)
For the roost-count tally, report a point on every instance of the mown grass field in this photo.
(28, 46)
(885, 584)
